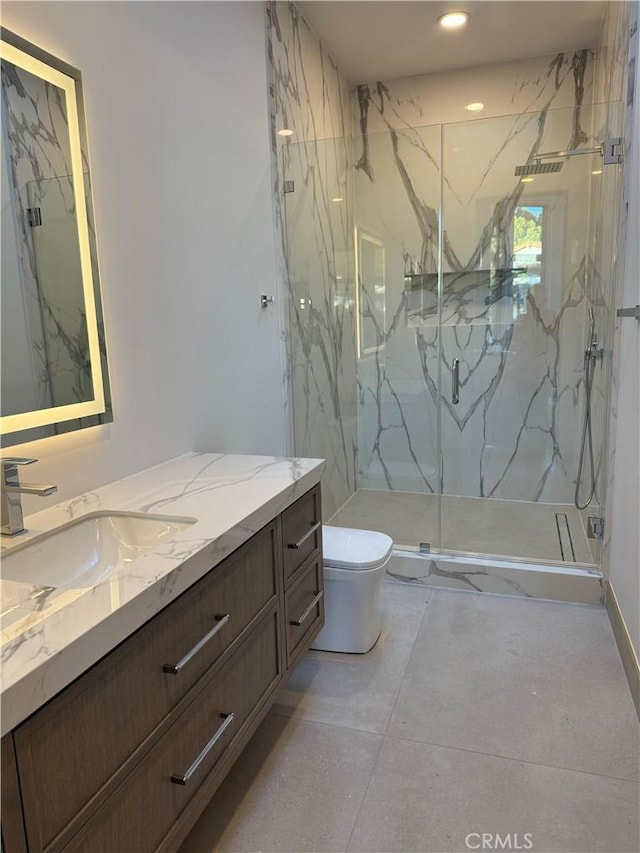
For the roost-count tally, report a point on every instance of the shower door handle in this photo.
(455, 381)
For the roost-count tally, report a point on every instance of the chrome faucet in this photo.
(12, 520)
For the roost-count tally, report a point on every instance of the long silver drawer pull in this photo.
(304, 538)
(182, 780)
(455, 381)
(174, 668)
(316, 599)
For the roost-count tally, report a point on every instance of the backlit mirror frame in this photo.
(28, 426)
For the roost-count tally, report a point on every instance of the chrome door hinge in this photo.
(629, 312)
(612, 152)
(34, 216)
(595, 527)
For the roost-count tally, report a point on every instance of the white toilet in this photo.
(354, 564)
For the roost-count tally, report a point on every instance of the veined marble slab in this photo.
(50, 640)
(428, 185)
(314, 228)
(500, 577)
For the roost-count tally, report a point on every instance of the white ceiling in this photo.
(385, 39)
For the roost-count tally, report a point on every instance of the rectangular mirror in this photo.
(54, 367)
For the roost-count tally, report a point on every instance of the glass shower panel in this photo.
(515, 297)
(396, 213)
(605, 205)
(317, 253)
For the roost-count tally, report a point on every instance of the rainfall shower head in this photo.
(609, 151)
(539, 168)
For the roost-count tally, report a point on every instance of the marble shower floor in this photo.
(520, 529)
(474, 713)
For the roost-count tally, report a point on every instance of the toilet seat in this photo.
(354, 550)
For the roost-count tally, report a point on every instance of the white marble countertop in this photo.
(49, 640)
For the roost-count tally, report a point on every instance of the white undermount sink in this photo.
(87, 550)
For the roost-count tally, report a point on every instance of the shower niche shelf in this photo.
(468, 296)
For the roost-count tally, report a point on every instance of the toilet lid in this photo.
(347, 548)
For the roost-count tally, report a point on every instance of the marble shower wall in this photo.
(519, 340)
(48, 281)
(314, 239)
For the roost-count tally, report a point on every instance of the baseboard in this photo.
(625, 646)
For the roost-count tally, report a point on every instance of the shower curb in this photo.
(501, 577)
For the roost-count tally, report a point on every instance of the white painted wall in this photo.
(176, 100)
(625, 505)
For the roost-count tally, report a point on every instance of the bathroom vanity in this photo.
(186, 648)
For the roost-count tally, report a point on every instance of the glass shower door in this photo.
(396, 214)
(516, 288)
(314, 228)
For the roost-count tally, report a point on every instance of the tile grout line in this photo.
(480, 752)
(512, 758)
(324, 723)
(404, 674)
(384, 733)
(364, 794)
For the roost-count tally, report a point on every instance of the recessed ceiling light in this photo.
(475, 107)
(453, 19)
(597, 172)
(525, 180)
(337, 199)
(285, 132)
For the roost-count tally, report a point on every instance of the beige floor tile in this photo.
(406, 517)
(427, 798)
(297, 786)
(528, 679)
(358, 691)
(520, 529)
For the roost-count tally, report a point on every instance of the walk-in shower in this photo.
(464, 411)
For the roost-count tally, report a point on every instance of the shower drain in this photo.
(565, 540)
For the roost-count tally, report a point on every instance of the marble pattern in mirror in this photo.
(54, 370)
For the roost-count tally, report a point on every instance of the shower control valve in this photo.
(594, 351)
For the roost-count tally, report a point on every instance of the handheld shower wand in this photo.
(591, 355)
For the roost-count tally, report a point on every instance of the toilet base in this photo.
(352, 610)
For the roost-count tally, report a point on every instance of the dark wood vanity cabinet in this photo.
(127, 757)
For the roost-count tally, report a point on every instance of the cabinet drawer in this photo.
(141, 811)
(301, 532)
(70, 749)
(304, 608)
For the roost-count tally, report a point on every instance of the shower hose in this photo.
(589, 370)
